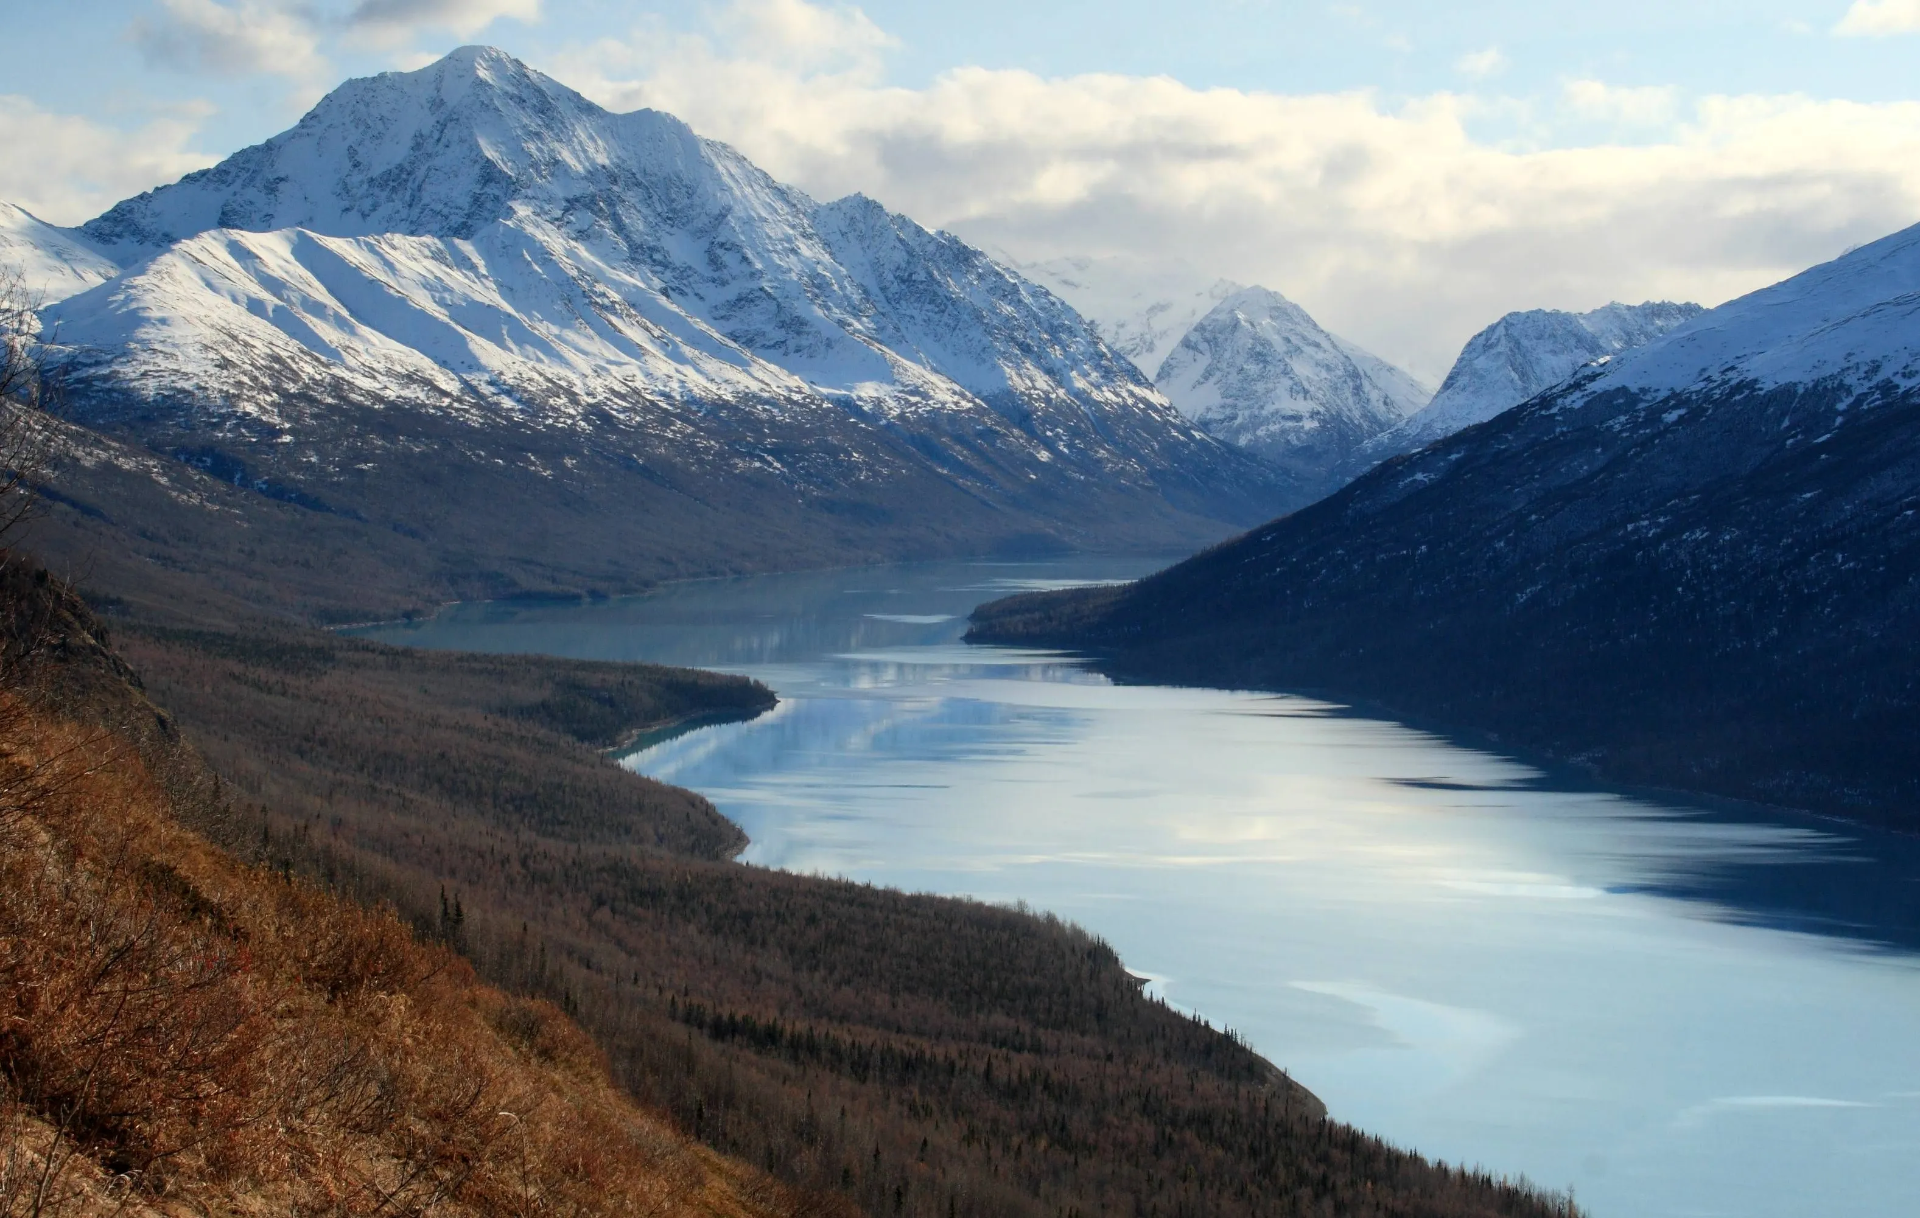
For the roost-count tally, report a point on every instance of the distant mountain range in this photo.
(1254, 369)
(1694, 565)
(468, 306)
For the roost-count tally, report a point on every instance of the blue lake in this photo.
(1673, 1009)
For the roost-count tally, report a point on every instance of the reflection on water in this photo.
(1679, 1010)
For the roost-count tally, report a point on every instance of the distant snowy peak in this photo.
(53, 263)
(1260, 373)
(1147, 330)
(1523, 354)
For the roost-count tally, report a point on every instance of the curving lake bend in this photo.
(1677, 1010)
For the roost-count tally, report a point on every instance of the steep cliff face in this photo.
(1696, 564)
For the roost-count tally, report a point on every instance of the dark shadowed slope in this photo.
(1696, 566)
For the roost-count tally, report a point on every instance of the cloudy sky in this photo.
(1406, 171)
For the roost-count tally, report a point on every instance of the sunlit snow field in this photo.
(1677, 1011)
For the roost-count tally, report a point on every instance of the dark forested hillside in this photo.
(405, 520)
(1716, 590)
(910, 1054)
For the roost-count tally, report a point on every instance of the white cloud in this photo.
(1390, 222)
(1649, 106)
(246, 36)
(801, 35)
(1480, 64)
(391, 22)
(81, 167)
(1878, 18)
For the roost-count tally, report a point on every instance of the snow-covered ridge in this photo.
(1853, 322)
(1260, 373)
(1523, 354)
(475, 228)
(53, 263)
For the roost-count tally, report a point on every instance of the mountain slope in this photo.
(471, 275)
(186, 1033)
(1523, 354)
(1261, 374)
(1697, 565)
(53, 263)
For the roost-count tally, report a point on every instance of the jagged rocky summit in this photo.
(471, 277)
(1519, 356)
(1260, 373)
(1696, 564)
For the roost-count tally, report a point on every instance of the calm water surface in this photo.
(1675, 1010)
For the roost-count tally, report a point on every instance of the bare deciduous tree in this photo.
(30, 379)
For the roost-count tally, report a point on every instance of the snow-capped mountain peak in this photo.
(627, 225)
(435, 152)
(1259, 372)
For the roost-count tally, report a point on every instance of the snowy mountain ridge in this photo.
(1141, 309)
(494, 222)
(1521, 355)
(53, 263)
(1850, 324)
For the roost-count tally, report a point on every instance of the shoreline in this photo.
(657, 586)
(1572, 774)
(681, 725)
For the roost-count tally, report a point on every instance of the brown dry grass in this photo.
(182, 1034)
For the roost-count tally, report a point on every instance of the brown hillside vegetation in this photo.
(184, 1034)
(914, 1055)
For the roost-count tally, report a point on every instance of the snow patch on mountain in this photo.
(1260, 373)
(1521, 355)
(53, 263)
(421, 319)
